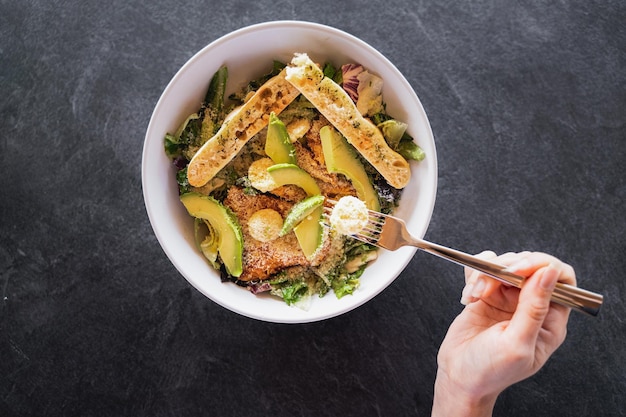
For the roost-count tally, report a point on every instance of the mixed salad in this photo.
(275, 159)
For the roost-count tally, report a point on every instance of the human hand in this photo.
(503, 335)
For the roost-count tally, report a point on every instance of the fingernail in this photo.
(466, 295)
(479, 287)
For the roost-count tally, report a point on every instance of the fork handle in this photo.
(568, 295)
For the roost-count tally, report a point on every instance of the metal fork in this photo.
(391, 233)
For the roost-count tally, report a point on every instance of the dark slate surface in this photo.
(527, 105)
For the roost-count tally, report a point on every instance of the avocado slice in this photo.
(300, 211)
(284, 174)
(309, 231)
(341, 158)
(224, 223)
(278, 146)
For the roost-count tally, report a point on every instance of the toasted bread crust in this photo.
(337, 106)
(273, 96)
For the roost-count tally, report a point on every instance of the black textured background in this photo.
(527, 105)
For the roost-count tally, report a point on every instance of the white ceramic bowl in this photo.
(249, 52)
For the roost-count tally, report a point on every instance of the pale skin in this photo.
(503, 335)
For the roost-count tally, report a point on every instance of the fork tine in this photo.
(369, 234)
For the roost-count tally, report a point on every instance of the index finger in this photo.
(533, 261)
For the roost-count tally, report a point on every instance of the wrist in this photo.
(454, 399)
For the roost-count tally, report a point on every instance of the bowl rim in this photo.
(294, 25)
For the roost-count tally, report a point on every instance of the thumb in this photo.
(534, 304)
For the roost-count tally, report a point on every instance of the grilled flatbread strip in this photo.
(334, 103)
(241, 126)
